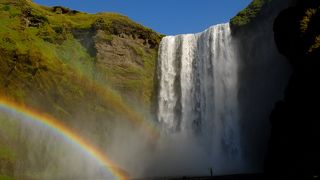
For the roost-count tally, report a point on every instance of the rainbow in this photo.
(150, 128)
(59, 128)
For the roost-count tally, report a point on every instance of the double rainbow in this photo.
(65, 132)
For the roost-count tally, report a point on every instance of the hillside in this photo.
(80, 68)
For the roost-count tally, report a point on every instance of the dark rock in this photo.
(294, 147)
(86, 38)
(63, 10)
(264, 74)
(33, 20)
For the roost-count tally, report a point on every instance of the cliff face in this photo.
(293, 151)
(264, 73)
(86, 70)
(294, 144)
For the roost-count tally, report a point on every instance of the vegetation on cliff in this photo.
(248, 14)
(257, 13)
(59, 60)
(297, 30)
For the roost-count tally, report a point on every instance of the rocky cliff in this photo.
(264, 73)
(294, 144)
(289, 28)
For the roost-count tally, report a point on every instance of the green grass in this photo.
(4, 177)
(304, 23)
(44, 66)
(55, 49)
(6, 153)
(245, 16)
(135, 80)
(9, 134)
(74, 54)
(105, 37)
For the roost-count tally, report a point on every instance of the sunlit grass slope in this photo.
(71, 64)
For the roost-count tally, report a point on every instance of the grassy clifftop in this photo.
(78, 67)
(258, 13)
(245, 16)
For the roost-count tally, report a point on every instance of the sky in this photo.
(169, 17)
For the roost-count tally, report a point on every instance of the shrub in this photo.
(6, 8)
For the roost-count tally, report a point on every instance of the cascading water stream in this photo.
(198, 78)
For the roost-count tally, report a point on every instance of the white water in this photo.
(198, 77)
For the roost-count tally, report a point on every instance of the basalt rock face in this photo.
(294, 145)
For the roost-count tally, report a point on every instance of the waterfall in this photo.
(198, 79)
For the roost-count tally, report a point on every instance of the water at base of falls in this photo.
(198, 79)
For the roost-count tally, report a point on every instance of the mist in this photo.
(172, 154)
(46, 154)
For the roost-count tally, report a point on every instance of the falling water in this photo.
(198, 81)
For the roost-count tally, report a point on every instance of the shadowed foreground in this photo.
(227, 177)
